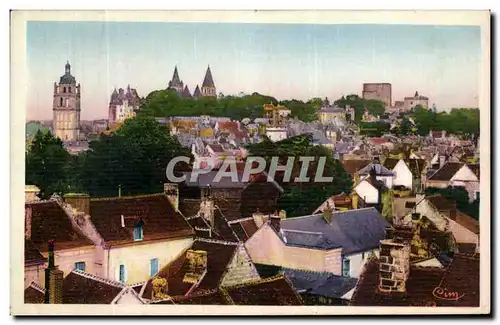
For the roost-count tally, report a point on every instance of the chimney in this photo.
(197, 265)
(53, 280)
(354, 200)
(394, 267)
(160, 288)
(328, 216)
(258, 218)
(79, 201)
(453, 211)
(27, 219)
(327, 212)
(207, 210)
(172, 192)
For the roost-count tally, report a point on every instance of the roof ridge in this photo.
(303, 231)
(216, 241)
(99, 279)
(256, 282)
(40, 201)
(126, 197)
(36, 286)
(239, 220)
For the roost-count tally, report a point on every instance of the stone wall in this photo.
(241, 268)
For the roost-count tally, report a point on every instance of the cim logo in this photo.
(444, 294)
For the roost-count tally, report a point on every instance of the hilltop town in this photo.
(398, 224)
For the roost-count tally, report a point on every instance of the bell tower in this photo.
(66, 107)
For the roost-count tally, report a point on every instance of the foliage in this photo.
(373, 106)
(374, 129)
(303, 197)
(161, 103)
(458, 195)
(47, 164)
(133, 158)
(387, 205)
(404, 127)
(460, 121)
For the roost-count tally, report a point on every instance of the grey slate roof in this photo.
(306, 239)
(354, 230)
(381, 170)
(205, 180)
(320, 283)
(208, 81)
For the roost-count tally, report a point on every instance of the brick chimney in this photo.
(79, 201)
(53, 280)
(394, 267)
(172, 192)
(197, 265)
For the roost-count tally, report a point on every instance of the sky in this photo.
(286, 61)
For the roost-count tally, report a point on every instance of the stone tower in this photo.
(66, 107)
(208, 86)
(176, 82)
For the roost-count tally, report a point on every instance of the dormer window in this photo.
(138, 232)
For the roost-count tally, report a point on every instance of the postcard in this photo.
(250, 162)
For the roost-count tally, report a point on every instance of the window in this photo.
(69, 89)
(363, 255)
(138, 233)
(346, 267)
(64, 90)
(153, 267)
(80, 266)
(61, 102)
(121, 275)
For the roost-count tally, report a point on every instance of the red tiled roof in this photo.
(34, 294)
(218, 257)
(446, 172)
(461, 276)
(83, 288)
(32, 254)
(50, 222)
(440, 202)
(352, 166)
(243, 228)
(189, 207)
(274, 291)
(160, 221)
(215, 297)
(379, 141)
(467, 222)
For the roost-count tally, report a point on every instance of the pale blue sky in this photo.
(283, 60)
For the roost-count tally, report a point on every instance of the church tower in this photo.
(66, 107)
(208, 86)
(176, 82)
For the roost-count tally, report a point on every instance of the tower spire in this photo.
(67, 67)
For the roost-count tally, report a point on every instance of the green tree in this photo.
(134, 158)
(47, 165)
(304, 197)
